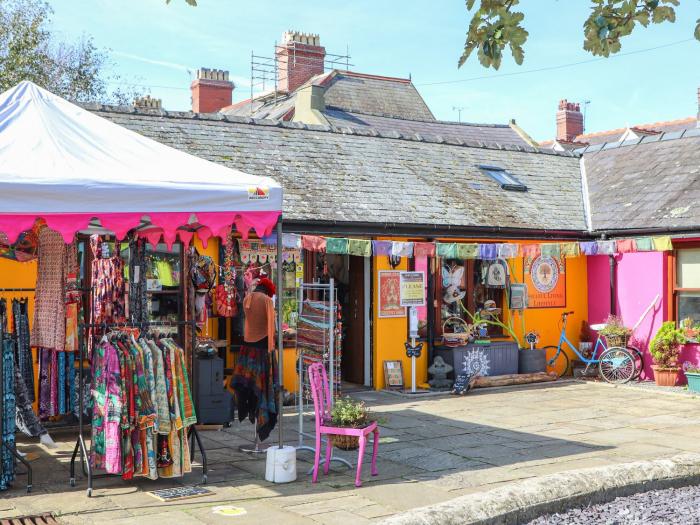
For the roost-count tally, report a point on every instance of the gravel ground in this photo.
(657, 507)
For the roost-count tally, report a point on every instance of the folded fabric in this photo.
(550, 250)
(508, 251)
(424, 249)
(531, 251)
(360, 247)
(607, 247)
(402, 249)
(446, 250)
(570, 249)
(589, 248)
(466, 251)
(381, 247)
(337, 245)
(644, 244)
(662, 243)
(313, 243)
(626, 246)
(488, 251)
(291, 240)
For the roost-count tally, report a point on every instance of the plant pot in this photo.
(531, 361)
(345, 442)
(693, 381)
(665, 376)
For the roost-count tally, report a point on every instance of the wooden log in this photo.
(513, 379)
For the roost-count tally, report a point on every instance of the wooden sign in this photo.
(178, 493)
(393, 374)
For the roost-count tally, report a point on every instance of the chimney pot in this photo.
(147, 102)
(211, 90)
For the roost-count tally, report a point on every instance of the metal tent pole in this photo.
(280, 339)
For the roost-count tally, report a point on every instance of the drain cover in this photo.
(39, 519)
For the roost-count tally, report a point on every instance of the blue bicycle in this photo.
(615, 364)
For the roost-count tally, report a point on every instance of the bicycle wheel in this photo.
(638, 360)
(557, 361)
(617, 365)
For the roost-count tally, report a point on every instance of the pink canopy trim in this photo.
(67, 224)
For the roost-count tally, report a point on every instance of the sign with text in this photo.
(412, 288)
(390, 294)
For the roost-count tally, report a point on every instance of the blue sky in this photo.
(155, 45)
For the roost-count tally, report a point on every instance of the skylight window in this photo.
(502, 177)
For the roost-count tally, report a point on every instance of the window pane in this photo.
(688, 268)
(689, 306)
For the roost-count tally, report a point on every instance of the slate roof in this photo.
(348, 91)
(614, 135)
(489, 133)
(358, 176)
(649, 183)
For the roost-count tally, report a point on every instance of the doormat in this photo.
(177, 493)
(229, 510)
(38, 519)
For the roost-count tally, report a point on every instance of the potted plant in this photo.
(690, 329)
(347, 413)
(531, 359)
(585, 344)
(665, 349)
(692, 372)
(615, 332)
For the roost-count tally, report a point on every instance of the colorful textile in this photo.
(466, 251)
(446, 250)
(313, 243)
(570, 249)
(381, 247)
(488, 251)
(253, 386)
(337, 245)
(360, 247)
(551, 250)
(625, 246)
(424, 249)
(61, 383)
(184, 396)
(20, 322)
(531, 251)
(7, 460)
(589, 248)
(25, 248)
(662, 243)
(607, 247)
(644, 244)
(49, 328)
(105, 449)
(161, 397)
(402, 249)
(508, 251)
(44, 384)
(107, 292)
(291, 240)
(25, 418)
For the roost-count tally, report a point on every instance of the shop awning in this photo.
(67, 166)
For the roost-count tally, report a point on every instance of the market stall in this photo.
(96, 195)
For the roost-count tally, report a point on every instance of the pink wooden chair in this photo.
(322, 408)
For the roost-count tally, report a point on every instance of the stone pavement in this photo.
(432, 450)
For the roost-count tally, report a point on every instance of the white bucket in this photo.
(281, 465)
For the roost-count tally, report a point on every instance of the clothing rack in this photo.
(12, 449)
(80, 446)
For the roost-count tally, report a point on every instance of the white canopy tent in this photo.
(61, 163)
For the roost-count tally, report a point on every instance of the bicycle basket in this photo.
(617, 340)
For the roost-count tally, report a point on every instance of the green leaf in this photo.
(697, 30)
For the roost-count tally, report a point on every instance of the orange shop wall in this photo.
(390, 334)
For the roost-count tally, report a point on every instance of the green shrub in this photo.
(615, 328)
(348, 413)
(666, 345)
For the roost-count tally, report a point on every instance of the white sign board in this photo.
(412, 288)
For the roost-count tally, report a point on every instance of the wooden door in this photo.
(353, 360)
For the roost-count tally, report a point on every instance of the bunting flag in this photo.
(484, 251)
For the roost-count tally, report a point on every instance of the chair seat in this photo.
(342, 431)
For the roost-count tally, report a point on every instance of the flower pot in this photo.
(531, 361)
(345, 442)
(693, 381)
(665, 376)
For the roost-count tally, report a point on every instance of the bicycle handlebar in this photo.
(564, 314)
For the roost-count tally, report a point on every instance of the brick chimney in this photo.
(300, 56)
(569, 120)
(211, 91)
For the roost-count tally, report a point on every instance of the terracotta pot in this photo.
(665, 376)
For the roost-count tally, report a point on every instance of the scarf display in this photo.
(142, 406)
(8, 411)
